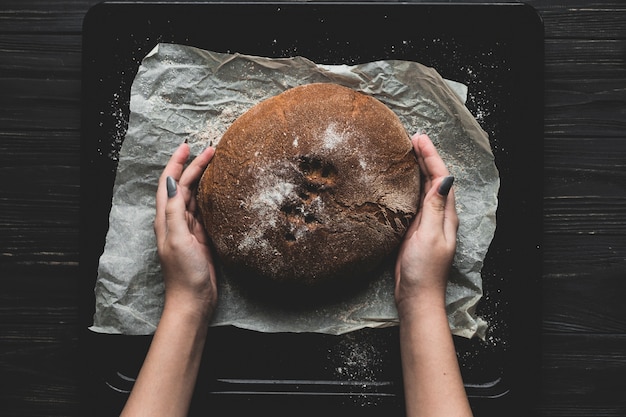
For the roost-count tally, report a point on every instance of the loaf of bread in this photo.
(315, 185)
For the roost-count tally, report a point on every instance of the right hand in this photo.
(428, 248)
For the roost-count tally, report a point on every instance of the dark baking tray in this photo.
(497, 50)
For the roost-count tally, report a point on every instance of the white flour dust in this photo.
(271, 192)
(334, 137)
(358, 361)
(216, 125)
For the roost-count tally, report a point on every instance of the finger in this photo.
(430, 162)
(445, 185)
(425, 178)
(435, 207)
(176, 164)
(176, 225)
(174, 169)
(196, 168)
(419, 142)
(451, 218)
(415, 140)
(416, 221)
(192, 174)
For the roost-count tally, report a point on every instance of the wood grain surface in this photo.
(584, 239)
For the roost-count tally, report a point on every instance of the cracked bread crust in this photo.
(315, 185)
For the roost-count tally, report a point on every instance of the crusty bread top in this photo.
(309, 186)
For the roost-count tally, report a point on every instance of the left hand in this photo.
(186, 259)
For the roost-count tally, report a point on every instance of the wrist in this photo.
(421, 304)
(190, 309)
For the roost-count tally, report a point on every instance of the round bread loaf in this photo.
(314, 185)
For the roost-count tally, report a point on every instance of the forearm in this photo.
(432, 379)
(167, 378)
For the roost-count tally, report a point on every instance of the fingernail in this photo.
(446, 184)
(171, 187)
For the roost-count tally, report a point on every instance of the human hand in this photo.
(182, 245)
(428, 248)
(165, 384)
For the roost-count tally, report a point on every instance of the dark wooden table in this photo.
(583, 370)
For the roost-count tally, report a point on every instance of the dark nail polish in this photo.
(446, 184)
(171, 187)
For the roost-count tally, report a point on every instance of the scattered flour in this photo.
(272, 191)
(271, 195)
(215, 126)
(333, 137)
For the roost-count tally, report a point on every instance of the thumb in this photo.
(445, 186)
(175, 208)
(434, 208)
(439, 198)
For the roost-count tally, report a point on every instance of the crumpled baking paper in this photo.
(184, 93)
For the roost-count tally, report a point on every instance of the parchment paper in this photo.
(184, 93)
